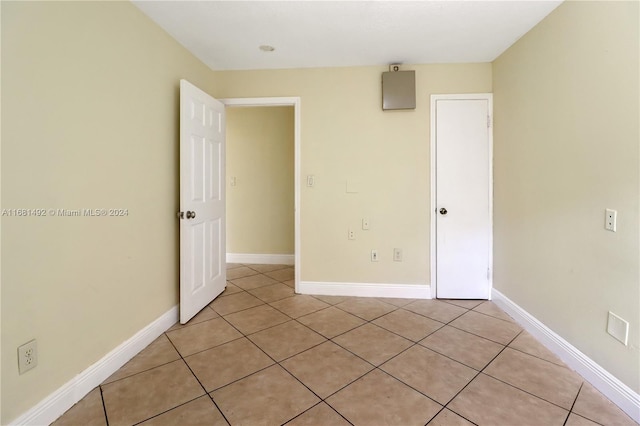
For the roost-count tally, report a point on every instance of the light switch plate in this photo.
(618, 328)
(610, 219)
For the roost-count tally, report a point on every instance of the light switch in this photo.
(365, 223)
(233, 181)
(311, 180)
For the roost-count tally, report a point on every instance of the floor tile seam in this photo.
(474, 335)
(104, 406)
(540, 358)
(308, 409)
(351, 329)
(254, 332)
(166, 411)
(244, 276)
(574, 403)
(477, 335)
(456, 413)
(191, 370)
(312, 313)
(395, 308)
(345, 386)
(404, 337)
(450, 303)
(239, 379)
(494, 317)
(408, 385)
(355, 354)
(309, 328)
(243, 309)
(584, 417)
(105, 383)
(525, 391)
(451, 358)
(476, 373)
(183, 326)
(298, 353)
(472, 380)
(326, 307)
(211, 347)
(219, 409)
(434, 319)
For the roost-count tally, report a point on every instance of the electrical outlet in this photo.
(610, 217)
(27, 356)
(374, 255)
(397, 255)
(351, 234)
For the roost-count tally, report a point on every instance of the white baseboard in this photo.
(265, 259)
(619, 393)
(56, 404)
(407, 291)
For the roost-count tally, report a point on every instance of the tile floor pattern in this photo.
(261, 355)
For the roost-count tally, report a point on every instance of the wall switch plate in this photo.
(351, 234)
(618, 328)
(27, 356)
(233, 181)
(397, 255)
(610, 217)
(365, 223)
(374, 255)
(311, 180)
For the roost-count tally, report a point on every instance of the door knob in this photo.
(442, 211)
(191, 215)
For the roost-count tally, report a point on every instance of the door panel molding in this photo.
(433, 193)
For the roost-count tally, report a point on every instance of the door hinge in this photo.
(488, 273)
(488, 121)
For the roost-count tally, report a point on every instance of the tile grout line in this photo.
(104, 406)
(201, 385)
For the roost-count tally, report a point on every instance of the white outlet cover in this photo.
(618, 328)
(27, 356)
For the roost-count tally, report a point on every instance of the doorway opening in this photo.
(264, 185)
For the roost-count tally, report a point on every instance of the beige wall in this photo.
(566, 146)
(89, 120)
(260, 207)
(346, 136)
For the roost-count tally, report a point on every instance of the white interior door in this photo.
(462, 196)
(202, 200)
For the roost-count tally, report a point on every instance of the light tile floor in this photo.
(261, 355)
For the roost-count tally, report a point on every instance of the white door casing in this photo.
(461, 172)
(202, 193)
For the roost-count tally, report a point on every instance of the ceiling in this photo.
(226, 35)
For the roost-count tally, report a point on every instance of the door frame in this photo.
(295, 103)
(432, 165)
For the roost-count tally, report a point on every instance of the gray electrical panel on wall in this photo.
(398, 90)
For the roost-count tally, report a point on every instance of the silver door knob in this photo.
(442, 211)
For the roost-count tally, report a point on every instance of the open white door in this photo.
(202, 200)
(461, 152)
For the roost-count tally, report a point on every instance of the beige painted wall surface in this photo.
(260, 207)
(346, 137)
(90, 120)
(567, 147)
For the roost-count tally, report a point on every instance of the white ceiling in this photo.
(226, 35)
